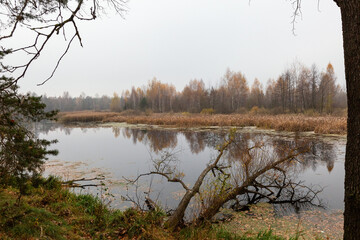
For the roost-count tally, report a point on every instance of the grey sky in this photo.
(176, 41)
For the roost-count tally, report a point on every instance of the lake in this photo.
(119, 151)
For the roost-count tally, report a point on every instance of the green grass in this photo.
(25, 221)
(48, 211)
(220, 232)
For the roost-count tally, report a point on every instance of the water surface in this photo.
(127, 151)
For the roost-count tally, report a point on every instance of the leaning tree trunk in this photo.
(350, 14)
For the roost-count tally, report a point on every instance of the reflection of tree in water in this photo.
(327, 154)
(135, 134)
(127, 132)
(253, 171)
(158, 140)
(67, 130)
(44, 127)
(196, 141)
(84, 129)
(116, 131)
(320, 152)
(138, 135)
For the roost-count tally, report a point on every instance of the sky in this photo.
(176, 41)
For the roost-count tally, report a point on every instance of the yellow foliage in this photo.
(208, 111)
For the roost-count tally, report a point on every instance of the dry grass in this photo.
(84, 116)
(285, 122)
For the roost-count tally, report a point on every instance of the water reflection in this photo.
(196, 141)
(319, 152)
(124, 151)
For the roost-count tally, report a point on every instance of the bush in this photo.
(148, 112)
(208, 111)
(258, 111)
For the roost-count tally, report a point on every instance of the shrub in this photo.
(254, 110)
(148, 112)
(208, 111)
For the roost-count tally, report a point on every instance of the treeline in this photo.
(66, 103)
(297, 89)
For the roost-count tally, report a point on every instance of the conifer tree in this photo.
(22, 153)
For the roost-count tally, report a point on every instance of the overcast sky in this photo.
(176, 41)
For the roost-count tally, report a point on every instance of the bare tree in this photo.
(258, 173)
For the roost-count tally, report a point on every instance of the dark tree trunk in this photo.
(350, 14)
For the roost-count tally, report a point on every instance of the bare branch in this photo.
(46, 19)
(58, 62)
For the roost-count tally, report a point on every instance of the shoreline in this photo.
(327, 125)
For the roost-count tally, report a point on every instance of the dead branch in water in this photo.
(258, 173)
(73, 183)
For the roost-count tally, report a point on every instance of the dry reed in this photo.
(285, 122)
(84, 116)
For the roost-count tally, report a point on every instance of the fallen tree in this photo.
(259, 172)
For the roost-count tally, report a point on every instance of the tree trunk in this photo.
(350, 14)
(218, 203)
(179, 213)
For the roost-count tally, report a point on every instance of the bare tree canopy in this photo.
(43, 20)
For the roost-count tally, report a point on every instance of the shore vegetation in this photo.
(50, 211)
(323, 124)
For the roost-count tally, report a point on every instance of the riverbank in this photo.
(285, 122)
(311, 224)
(48, 211)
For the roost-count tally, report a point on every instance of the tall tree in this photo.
(303, 91)
(350, 15)
(115, 104)
(327, 89)
(237, 89)
(193, 95)
(314, 80)
(256, 94)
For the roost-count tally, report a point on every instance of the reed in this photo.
(84, 116)
(285, 122)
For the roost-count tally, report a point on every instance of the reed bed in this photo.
(285, 122)
(84, 116)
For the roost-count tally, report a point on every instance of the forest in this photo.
(299, 89)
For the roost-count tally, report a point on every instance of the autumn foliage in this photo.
(283, 122)
(298, 89)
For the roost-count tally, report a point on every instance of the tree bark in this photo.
(223, 198)
(350, 14)
(179, 213)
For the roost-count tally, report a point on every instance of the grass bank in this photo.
(50, 212)
(285, 122)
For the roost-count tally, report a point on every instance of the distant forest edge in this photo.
(298, 89)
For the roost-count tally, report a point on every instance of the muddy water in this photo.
(124, 151)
